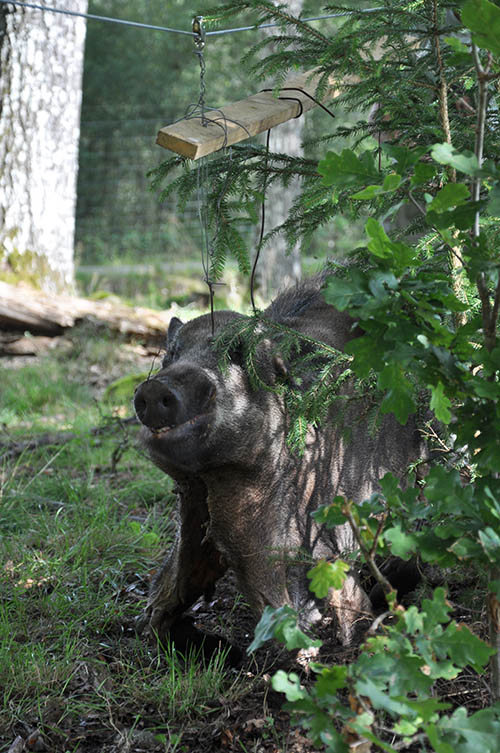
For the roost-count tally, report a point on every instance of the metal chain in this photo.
(199, 43)
(207, 244)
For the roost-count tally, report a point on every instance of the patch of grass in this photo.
(40, 391)
(78, 537)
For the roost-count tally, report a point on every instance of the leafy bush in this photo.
(427, 296)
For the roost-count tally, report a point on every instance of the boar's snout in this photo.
(162, 403)
(155, 404)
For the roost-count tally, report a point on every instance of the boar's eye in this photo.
(170, 355)
(237, 354)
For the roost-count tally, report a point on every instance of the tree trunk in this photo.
(41, 59)
(279, 265)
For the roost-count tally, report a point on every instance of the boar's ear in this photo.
(174, 325)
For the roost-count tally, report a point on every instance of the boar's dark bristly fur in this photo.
(244, 499)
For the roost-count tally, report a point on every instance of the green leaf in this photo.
(341, 293)
(483, 19)
(380, 244)
(404, 157)
(461, 53)
(289, 633)
(436, 740)
(321, 730)
(483, 388)
(289, 684)
(399, 402)
(330, 515)
(379, 698)
(463, 647)
(149, 540)
(494, 587)
(426, 708)
(402, 544)
(424, 171)
(330, 681)
(440, 403)
(368, 193)
(430, 548)
(326, 575)
(379, 283)
(494, 201)
(281, 624)
(121, 391)
(451, 195)
(465, 162)
(367, 353)
(490, 541)
(461, 217)
(465, 548)
(390, 184)
(346, 169)
(436, 610)
(457, 45)
(478, 733)
(399, 396)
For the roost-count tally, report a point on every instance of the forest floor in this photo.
(84, 520)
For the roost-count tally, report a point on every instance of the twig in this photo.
(370, 561)
(380, 526)
(416, 204)
(482, 78)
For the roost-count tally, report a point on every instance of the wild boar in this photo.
(244, 498)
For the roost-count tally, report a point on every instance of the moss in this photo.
(27, 266)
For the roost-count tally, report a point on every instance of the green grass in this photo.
(79, 536)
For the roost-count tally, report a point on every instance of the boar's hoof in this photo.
(189, 640)
(154, 622)
(140, 623)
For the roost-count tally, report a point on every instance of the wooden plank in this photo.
(240, 120)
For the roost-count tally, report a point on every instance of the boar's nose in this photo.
(155, 404)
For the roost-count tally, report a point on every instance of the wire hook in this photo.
(199, 32)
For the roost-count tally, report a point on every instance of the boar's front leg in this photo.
(192, 566)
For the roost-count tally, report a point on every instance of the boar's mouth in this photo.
(162, 431)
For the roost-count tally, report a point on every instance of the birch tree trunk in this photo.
(41, 61)
(279, 266)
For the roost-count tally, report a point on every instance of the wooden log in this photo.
(240, 120)
(23, 308)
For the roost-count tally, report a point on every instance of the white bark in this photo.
(41, 59)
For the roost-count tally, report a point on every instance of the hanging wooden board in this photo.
(240, 120)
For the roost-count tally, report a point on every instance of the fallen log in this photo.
(25, 309)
